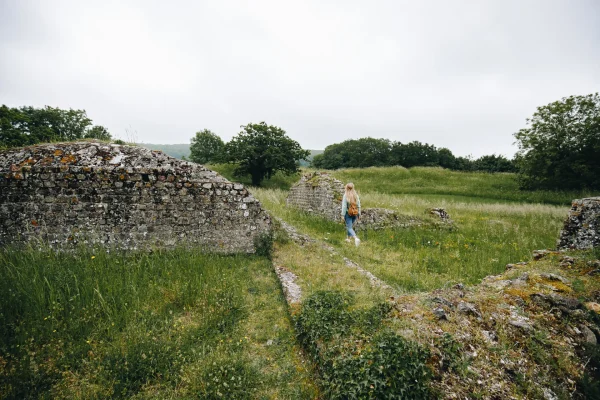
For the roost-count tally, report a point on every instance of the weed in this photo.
(358, 357)
(453, 357)
(263, 245)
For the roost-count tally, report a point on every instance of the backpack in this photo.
(352, 210)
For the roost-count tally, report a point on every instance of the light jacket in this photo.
(345, 205)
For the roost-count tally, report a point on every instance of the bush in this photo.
(263, 245)
(356, 357)
(387, 367)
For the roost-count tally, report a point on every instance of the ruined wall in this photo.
(581, 229)
(318, 193)
(122, 196)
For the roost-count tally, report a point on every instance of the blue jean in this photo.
(349, 223)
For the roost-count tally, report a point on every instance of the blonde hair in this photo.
(351, 195)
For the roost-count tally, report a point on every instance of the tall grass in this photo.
(468, 186)
(484, 238)
(168, 324)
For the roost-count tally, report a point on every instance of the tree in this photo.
(97, 132)
(355, 153)
(560, 149)
(28, 125)
(206, 147)
(494, 163)
(414, 154)
(261, 150)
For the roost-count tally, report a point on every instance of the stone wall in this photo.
(122, 196)
(582, 227)
(318, 193)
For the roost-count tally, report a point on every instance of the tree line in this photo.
(27, 125)
(558, 149)
(371, 152)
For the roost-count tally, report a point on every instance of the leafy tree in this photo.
(355, 153)
(560, 148)
(494, 163)
(28, 125)
(97, 132)
(414, 154)
(206, 147)
(261, 150)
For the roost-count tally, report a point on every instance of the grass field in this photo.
(484, 239)
(182, 324)
(173, 324)
(494, 224)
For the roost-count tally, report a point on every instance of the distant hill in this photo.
(312, 154)
(183, 150)
(173, 150)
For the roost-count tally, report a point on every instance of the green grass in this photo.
(172, 324)
(485, 237)
(468, 186)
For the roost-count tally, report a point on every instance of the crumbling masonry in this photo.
(122, 196)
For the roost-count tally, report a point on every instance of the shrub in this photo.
(263, 245)
(356, 357)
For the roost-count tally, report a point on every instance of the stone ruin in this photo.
(318, 193)
(581, 229)
(125, 197)
(321, 194)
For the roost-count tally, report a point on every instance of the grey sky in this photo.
(458, 74)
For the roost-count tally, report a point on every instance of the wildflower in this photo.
(93, 257)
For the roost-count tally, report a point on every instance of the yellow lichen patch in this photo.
(64, 168)
(558, 286)
(122, 177)
(87, 169)
(523, 293)
(29, 161)
(592, 306)
(58, 152)
(68, 159)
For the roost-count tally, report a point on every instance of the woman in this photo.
(351, 211)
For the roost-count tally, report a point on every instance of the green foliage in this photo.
(169, 324)
(369, 152)
(28, 125)
(415, 154)
(560, 149)
(324, 314)
(97, 132)
(279, 180)
(453, 359)
(206, 147)
(263, 245)
(232, 379)
(356, 153)
(357, 357)
(386, 367)
(589, 384)
(436, 183)
(494, 163)
(260, 150)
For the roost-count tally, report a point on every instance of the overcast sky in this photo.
(458, 74)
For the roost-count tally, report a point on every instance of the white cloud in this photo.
(462, 75)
